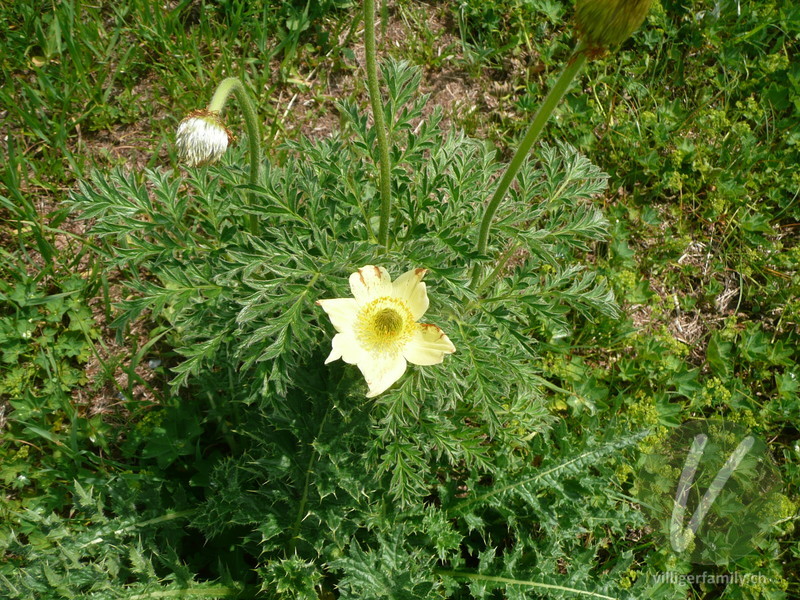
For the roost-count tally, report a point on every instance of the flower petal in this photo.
(346, 347)
(369, 283)
(428, 346)
(381, 372)
(342, 312)
(409, 287)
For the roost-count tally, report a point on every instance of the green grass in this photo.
(694, 119)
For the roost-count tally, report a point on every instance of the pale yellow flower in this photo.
(378, 328)
(202, 138)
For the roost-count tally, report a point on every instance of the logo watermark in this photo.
(711, 490)
(735, 578)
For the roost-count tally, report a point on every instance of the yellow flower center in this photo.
(385, 325)
(388, 322)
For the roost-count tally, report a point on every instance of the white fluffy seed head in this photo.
(201, 138)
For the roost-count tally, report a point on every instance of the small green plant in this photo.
(243, 301)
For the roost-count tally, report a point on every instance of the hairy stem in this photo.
(301, 508)
(498, 270)
(233, 85)
(200, 590)
(521, 582)
(572, 68)
(380, 124)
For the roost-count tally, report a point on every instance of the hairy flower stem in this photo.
(380, 124)
(233, 85)
(301, 507)
(572, 68)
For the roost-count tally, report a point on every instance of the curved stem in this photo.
(380, 124)
(540, 119)
(233, 85)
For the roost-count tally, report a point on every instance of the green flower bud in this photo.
(605, 23)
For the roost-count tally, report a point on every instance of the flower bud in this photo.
(202, 138)
(605, 23)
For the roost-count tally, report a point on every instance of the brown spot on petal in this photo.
(201, 112)
(420, 272)
(378, 272)
(426, 325)
(361, 274)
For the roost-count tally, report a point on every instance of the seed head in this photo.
(202, 138)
